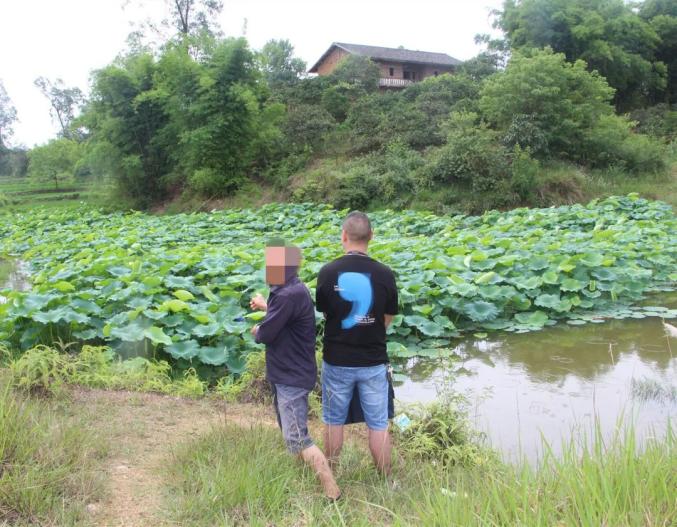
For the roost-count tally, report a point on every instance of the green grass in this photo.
(49, 463)
(243, 477)
(21, 194)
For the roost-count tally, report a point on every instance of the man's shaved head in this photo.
(357, 227)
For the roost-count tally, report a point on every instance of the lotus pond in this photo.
(178, 286)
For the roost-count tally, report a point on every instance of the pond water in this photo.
(525, 387)
(17, 279)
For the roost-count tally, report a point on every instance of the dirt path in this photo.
(143, 430)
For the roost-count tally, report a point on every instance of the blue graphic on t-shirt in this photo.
(355, 288)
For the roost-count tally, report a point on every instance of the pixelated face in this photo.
(281, 263)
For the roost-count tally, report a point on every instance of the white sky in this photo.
(70, 38)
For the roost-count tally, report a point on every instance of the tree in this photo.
(63, 102)
(607, 34)
(185, 18)
(7, 118)
(278, 63)
(557, 100)
(662, 16)
(360, 72)
(128, 122)
(54, 162)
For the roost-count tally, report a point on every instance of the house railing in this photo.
(386, 82)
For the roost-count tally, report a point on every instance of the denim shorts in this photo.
(338, 384)
(291, 407)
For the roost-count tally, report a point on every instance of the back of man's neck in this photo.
(362, 249)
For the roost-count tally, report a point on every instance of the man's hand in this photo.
(258, 302)
(255, 329)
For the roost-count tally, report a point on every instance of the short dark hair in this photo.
(357, 226)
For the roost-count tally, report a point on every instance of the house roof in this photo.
(390, 54)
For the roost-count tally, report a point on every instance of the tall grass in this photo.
(238, 476)
(48, 465)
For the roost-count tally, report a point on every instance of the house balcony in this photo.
(390, 82)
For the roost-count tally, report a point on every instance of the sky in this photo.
(68, 39)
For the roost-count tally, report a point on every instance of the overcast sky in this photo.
(70, 38)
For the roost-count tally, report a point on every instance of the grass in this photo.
(21, 194)
(236, 477)
(49, 463)
(651, 389)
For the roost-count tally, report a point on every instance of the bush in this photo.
(472, 155)
(611, 143)
(306, 126)
(441, 432)
(658, 121)
(567, 99)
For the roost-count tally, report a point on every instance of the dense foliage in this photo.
(181, 284)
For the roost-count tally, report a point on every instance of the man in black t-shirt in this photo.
(358, 297)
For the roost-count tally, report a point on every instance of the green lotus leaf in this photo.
(533, 318)
(236, 364)
(184, 295)
(549, 301)
(216, 356)
(130, 333)
(85, 334)
(118, 270)
(256, 315)
(485, 278)
(64, 287)
(425, 326)
(481, 311)
(184, 349)
(178, 282)
(605, 274)
(591, 259)
(157, 336)
(174, 306)
(531, 282)
(538, 263)
(52, 316)
(550, 277)
(206, 330)
(571, 284)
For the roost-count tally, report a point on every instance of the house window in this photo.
(413, 75)
(392, 71)
(406, 74)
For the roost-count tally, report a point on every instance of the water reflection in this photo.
(547, 382)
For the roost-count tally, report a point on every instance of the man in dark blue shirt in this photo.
(288, 331)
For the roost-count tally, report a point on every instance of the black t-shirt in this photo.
(355, 292)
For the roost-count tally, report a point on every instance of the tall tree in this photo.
(7, 117)
(607, 34)
(185, 18)
(662, 16)
(279, 64)
(63, 102)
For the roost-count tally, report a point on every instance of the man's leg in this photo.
(292, 410)
(381, 449)
(373, 388)
(333, 443)
(314, 458)
(338, 385)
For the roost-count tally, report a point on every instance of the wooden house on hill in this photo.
(399, 67)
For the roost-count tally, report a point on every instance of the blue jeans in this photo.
(338, 384)
(291, 407)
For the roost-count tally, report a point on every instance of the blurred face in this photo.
(281, 263)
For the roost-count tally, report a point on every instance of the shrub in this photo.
(611, 143)
(441, 432)
(41, 370)
(472, 155)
